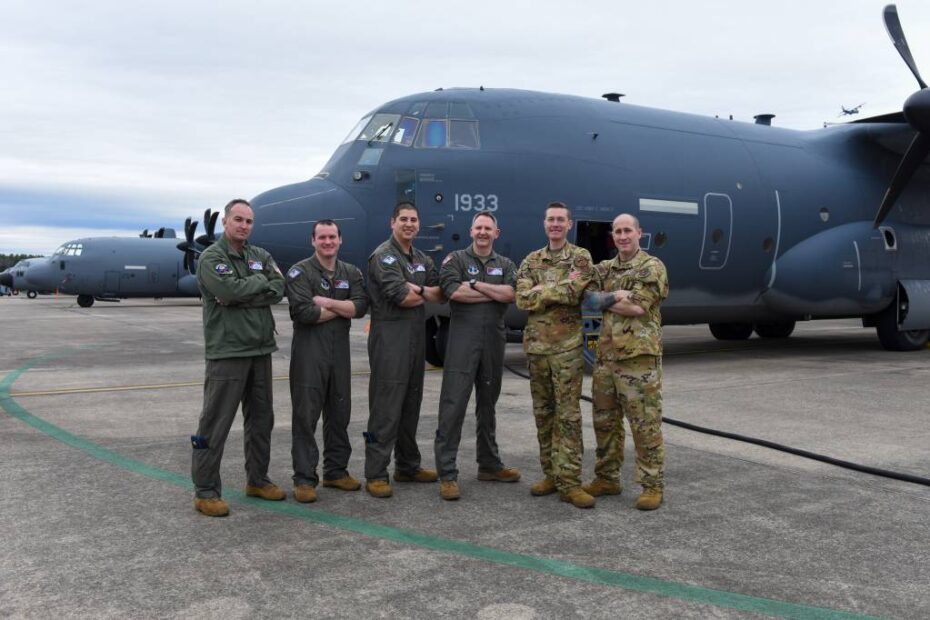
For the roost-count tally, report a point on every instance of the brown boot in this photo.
(504, 474)
(577, 497)
(379, 488)
(421, 475)
(546, 486)
(305, 493)
(269, 491)
(211, 506)
(347, 483)
(449, 490)
(649, 499)
(599, 486)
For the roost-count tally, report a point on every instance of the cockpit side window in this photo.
(406, 130)
(357, 129)
(432, 133)
(380, 127)
(463, 134)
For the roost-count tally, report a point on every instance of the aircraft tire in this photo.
(85, 301)
(886, 327)
(31, 294)
(731, 331)
(775, 330)
(437, 337)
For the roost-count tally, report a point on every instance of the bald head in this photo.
(626, 233)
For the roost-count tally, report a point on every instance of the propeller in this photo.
(189, 246)
(145, 234)
(209, 223)
(917, 113)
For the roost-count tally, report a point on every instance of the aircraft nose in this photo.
(284, 219)
(6, 279)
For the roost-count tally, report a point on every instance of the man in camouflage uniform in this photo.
(628, 377)
(479, 284)
(239, 282)
(550, 286)
(401, 280)
(324, 294)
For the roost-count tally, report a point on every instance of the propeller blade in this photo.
(893, 26)
(916, 152)
(212, 229)
(145, 233)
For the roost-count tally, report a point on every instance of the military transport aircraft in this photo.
(759, 226)
(850, 111)
(21, 277)
(113, 268)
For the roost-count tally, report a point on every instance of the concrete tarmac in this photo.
(97, 405)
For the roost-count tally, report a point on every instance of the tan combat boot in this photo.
(421, 475)
(577, 498)
(269, 491)
(599, 486)
(347, 483)
(211, 506)
(649, 499)
(546, 486)
(305, 493)
(449, 490)
(504, 474)
(379, 488)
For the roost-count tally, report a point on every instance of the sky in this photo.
(118, 116)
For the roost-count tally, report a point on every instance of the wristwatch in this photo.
(471, 283)
(421, 291)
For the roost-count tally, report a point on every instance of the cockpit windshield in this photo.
(427, 125)
(70, 249)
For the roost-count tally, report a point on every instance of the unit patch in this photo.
(388, 259)
(472, 270)
(223, 269)
(324, 284)
(255, 265)
(294, 272)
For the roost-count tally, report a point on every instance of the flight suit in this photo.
(238, 290)
(627, 379)
(552, 340)
(320, 372)
(474, 358)
(396, 350)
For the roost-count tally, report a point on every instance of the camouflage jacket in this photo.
(623, 337)
(554, 323)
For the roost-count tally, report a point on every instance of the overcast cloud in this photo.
(120, 116)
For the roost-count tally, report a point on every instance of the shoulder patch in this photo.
(581, 262)
(388, 259)
(223, 269)
(293, 273)
(447, 258)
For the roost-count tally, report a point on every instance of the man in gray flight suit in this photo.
(401, 279)
(239, 282)
(324, 294)
(479, 284)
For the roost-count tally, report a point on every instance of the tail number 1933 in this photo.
(478, 202)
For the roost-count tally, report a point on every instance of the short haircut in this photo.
(232, 203)
(559, 205)
(631, 216)
(404, 206)
(484, 214)
(324, 223)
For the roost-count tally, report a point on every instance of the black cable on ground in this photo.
(875, 471)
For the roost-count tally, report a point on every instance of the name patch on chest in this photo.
(341, 284)
(255, 265)
(495, 271)
(415, 267)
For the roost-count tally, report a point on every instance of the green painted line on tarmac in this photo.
(548, 566)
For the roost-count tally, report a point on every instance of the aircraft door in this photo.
(111, 283)
(718, 224)
(153, 273)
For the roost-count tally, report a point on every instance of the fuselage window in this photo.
(380, 127)
(406, 130)
(463, 134)
(357, 130)
(432, 134)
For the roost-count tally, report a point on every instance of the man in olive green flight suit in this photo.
(550, 285)
(401, 279)
(324, 294)
(627, 380)
(479, 284)
(238, 282)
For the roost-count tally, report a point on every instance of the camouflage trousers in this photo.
(555, 383)
(630, 388)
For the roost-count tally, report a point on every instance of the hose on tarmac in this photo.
(875, 471)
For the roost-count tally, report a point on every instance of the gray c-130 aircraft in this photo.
(759, 226)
